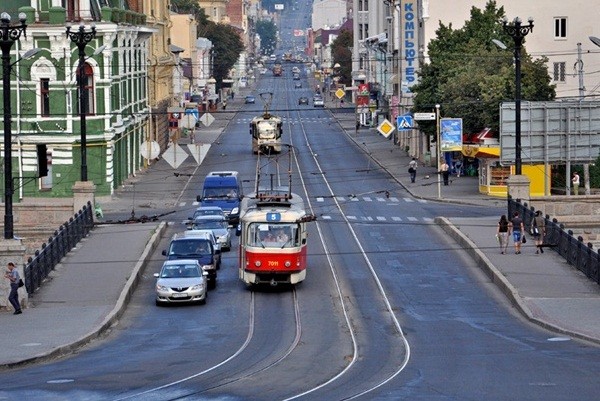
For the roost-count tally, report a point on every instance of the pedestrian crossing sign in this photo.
(404, 122)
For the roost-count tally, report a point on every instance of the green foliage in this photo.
(343, 56)
(267, 31)
(227, 47)
(469, 76)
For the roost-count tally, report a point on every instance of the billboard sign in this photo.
(551, 132)
(451, 134)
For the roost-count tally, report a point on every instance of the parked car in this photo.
(303, 100)
(318, 102)
(181, 281)
(218, 225)
(250, 99)
(297, 84)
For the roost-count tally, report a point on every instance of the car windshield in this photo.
(201, 224)
(282, 235)
(191, 247)
(221, 192)
(179, 271)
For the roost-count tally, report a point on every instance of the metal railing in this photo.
(59, 244)
(578, 254)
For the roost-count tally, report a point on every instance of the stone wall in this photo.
(581, 214)
(35, 220)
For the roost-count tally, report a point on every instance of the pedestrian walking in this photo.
(575, 181)
(502, 233)
(12, 274)
(538, 231)
(517, 228)
(412, 169)
(445, 171)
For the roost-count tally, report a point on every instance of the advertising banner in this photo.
(451, 134)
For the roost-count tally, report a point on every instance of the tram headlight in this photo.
(257, 263)
(288, 263)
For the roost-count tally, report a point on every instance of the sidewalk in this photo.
(87, 293)
(544, 288)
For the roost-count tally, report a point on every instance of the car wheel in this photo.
(212, 284)
(157, 303)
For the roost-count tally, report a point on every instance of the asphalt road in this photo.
(391, 307)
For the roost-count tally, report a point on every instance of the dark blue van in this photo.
(223, 189)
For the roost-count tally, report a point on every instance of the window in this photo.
(366, 30)
(366, 5)
(559, 72)
(360, 5)
(88, 89)
(560, 28)
(360, 32)
(45, 96)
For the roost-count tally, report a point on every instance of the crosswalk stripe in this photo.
(408, 200)
(393, 199)
(381, 218)
(410, 218)
(396, 218)
(320, 199)
(367, 199)
(380, 199)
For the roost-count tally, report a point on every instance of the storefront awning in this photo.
(481, 151)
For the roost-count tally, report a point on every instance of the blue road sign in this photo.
(404, 122)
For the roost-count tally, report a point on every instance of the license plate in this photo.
(180, 295)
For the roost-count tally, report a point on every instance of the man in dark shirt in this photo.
(517, 229)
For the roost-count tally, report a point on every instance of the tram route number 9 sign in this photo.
(273, 216)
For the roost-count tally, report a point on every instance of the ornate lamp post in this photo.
(518, 33)
(81, 38)
(9, 34)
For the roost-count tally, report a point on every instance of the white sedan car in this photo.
(181, 281)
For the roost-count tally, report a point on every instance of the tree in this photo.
(340, 50)
(227, 47)
(267, 30)
(469, 76)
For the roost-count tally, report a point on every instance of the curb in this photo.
(501, 282)
(112, 317)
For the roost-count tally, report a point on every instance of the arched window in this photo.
(88, 89)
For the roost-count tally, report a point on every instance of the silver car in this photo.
(181, 281)
(218, 225)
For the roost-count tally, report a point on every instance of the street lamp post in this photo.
(81, 38)
(9, 34)
(438, 147)
(518, 33)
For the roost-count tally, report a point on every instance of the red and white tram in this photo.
(273, 233)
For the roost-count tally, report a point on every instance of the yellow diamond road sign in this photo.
(340, 93)
(386, 128)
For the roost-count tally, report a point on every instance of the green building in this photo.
(45, 96)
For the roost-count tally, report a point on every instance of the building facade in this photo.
(46, 98)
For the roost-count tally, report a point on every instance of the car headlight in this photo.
(235, 210)
(197, 287)
(161, 288)
(207, 267)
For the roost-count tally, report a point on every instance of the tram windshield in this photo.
(280, 235)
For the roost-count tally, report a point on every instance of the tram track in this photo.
(345, 305)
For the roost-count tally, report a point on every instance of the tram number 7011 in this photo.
(273, 263)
